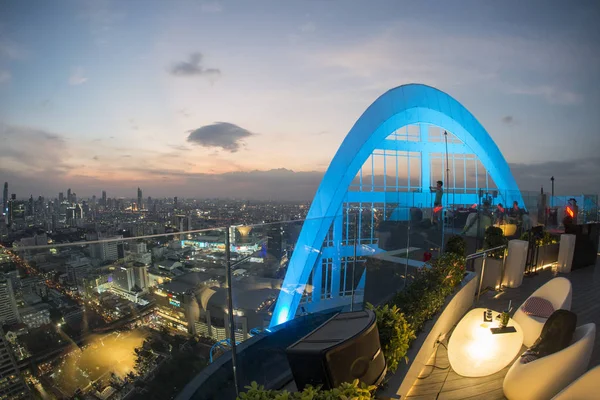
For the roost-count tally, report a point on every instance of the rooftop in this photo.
(436, 383)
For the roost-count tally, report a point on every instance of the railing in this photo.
(484, 254)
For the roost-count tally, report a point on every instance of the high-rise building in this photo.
(141, 278)
(73, 198)
(107, 250)
(10, 209)
(30, 208)
(69, 195)
(8, 304)
(11, 380)
(78, 269)
(103, 198)
(61, 197)
(175, 201)
(5, 198)
(139, 199)
(124, 278)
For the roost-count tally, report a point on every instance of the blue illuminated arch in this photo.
(399, 107)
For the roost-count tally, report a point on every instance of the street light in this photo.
(552, 198)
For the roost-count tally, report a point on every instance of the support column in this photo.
(336, 265)
(425, 161)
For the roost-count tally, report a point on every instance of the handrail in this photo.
(484, 254)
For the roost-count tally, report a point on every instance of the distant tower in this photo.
(12, 386)
(69, 195)
(8, 304)
(61, 197)
(30, 208)
(5, 198)
(74, 197)
(139, 199)
(104, 198)
(175, 201)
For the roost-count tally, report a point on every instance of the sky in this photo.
(252, 99)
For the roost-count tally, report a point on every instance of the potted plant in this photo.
(492, 275)
(456, 245)
(547, 247)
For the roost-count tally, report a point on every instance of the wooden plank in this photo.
(424, 397)
(471, 391)
(585, 303)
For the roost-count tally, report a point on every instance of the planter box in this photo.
(547, 254)
(420, 351)
(492, 275)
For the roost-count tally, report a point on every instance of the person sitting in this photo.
(478, 222)
(500, 214)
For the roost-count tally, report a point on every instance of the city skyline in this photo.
(224, 99)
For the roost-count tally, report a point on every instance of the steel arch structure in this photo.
(399, 107)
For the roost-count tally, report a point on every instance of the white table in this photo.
(473, 350)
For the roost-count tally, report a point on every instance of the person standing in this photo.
(437, 203)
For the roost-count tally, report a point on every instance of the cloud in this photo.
(308, 27)
(551, 94)
(4, 75)
(20, 150)
(179, 147)
(102, 17)
(508, 120)
(211, 7)
(77, 77)
(10, 50)
(95, 158)
(194, 67)
(222, 135)
(571, 176)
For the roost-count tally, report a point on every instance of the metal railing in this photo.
(484, 254)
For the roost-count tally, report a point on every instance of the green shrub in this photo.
(546, 239)
(494, 237)
(346, 391)
(457, 245)
(395, 334)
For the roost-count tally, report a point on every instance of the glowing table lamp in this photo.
(474, 351)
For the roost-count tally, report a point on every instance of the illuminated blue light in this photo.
(405, 105)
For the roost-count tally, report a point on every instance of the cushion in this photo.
(537, 307)
(528, 357)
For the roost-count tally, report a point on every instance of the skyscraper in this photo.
(61, 197)
(5, 198)
(104, 198)
(139, 199)
(175, 201)
(11, 380)
(8, 304)
(69, 195)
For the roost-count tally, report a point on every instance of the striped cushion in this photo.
(527, 358)
(538, 307)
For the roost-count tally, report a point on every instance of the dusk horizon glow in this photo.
(228, 99)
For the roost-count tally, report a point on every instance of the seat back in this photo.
(557, 291)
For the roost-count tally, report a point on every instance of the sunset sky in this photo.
(237, 98)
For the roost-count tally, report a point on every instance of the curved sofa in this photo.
(558, 292)
(545, 377)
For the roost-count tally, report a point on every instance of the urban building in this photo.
(139, 199)
(12, 385)
(8, 305)
(36, 315)
(108, 249)
(78, 269)
(5, 198)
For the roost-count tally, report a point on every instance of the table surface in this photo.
(473, 351)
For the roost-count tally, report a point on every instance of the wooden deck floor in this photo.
(437, 383)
